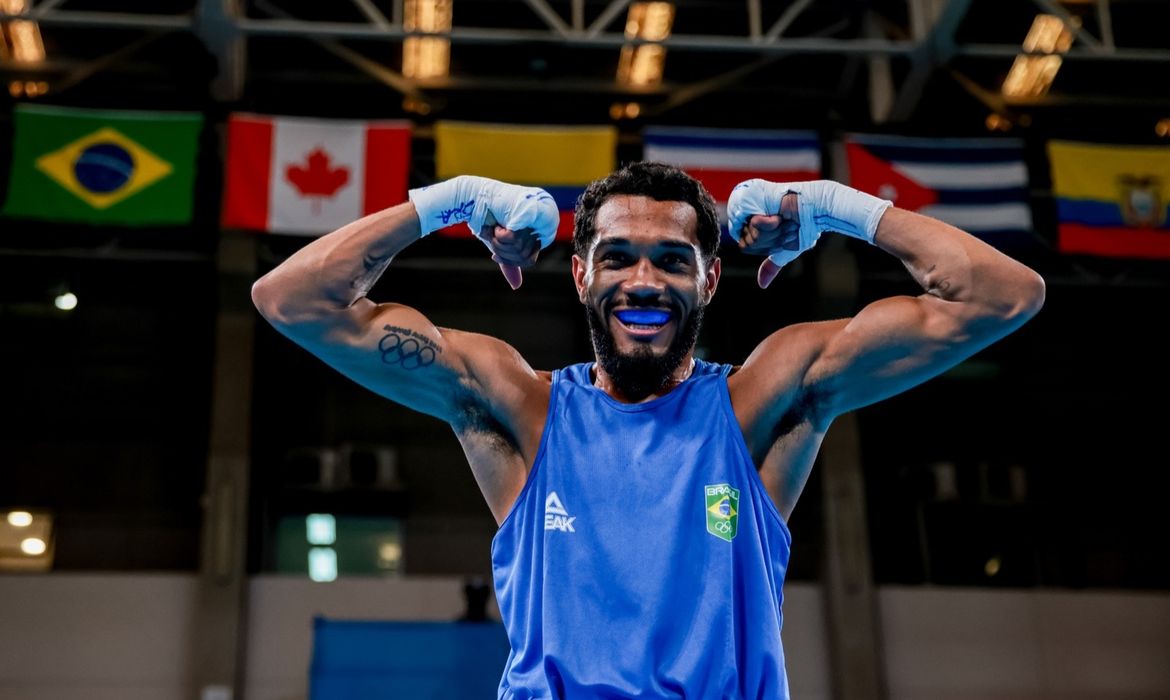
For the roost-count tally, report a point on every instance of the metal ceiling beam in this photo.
(550, 16)
(1070, 23)
(786, 20)
(607, 16)
(935, 49)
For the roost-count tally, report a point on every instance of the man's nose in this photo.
(644, 282)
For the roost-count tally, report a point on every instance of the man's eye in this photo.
(615, 257)
(673, 260)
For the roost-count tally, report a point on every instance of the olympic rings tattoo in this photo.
(407, 353)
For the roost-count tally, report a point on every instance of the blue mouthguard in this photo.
(649, 317)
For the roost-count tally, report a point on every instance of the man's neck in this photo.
(603, 381)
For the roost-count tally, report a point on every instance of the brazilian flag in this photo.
(103, 167)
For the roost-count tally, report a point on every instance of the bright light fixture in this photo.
(1032, 73)
(642, 65)
(66, 301)
(426, 56)
(320, 528)
(20, 518)
(322, 564)
(22, 36)
(33, 546)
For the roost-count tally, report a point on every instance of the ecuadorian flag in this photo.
(561, 159)
(1111, 200)
(103, 167)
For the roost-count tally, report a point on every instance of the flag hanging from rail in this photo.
(977, 184)
(1111, 200)
(103, 166)
(722, 158)
(561, 159)
(308, 176)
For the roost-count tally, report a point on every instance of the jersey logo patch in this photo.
(722, 510)
(555, 515)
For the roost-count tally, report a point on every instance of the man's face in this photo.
(644, 286)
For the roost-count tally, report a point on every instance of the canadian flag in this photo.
(310, 176)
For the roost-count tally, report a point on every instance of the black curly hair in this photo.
(659, 181)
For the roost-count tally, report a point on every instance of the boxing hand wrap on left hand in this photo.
(480, 201)
(823, 205)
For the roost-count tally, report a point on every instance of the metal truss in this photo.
(927, 40)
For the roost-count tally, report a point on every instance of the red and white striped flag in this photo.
(310, 176)
(722, 158)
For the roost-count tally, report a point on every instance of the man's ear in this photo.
(712, 280)
(579, 271)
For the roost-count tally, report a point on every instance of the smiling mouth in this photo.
(644, 322)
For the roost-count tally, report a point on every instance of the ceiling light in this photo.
(66, 301)
(1162, 128)
(22, 37)
(642, 65)
(33, 546)
(20, 518)
(426, 56)
(1032, 73)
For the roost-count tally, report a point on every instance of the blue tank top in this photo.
(643, 558)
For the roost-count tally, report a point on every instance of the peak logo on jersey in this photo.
(722, 510)
(555, 515)
(103, 167)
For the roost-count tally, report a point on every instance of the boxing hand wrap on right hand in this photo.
(479, 201)
(823, 205)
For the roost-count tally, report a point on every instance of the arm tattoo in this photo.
(373, 266)
(407, 349)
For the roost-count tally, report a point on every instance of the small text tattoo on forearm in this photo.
(407, 349)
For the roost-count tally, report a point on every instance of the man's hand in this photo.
(784, 219)
(764, 235)
(517, 222)
(764, 217)
(513, 221)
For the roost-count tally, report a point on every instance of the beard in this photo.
(641, 373)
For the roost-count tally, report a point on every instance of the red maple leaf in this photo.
(316, 178)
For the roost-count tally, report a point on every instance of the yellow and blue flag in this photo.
(1111, 200)
(103, 167)
(561, 159)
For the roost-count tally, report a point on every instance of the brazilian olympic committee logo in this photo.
(722, 511)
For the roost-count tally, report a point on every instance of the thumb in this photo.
(767, 273)
(512, 274)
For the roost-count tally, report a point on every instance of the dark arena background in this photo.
(192, 506)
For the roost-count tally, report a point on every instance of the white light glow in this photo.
(66, 301)
(322, 564)
(320, 528)
(20, 518)
(33, 546)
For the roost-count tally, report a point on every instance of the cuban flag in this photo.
(723, 158)
(977, 184)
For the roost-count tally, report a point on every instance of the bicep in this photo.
(890, 346)
(394, 351)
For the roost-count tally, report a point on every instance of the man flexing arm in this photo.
(800, 378)
(479, 385)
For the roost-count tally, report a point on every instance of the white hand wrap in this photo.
(480, 201)
(823, 205)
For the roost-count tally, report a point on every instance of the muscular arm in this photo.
(801, 377)
(973, 296)
(317, 298)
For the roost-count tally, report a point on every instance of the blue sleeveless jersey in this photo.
(643, 558)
